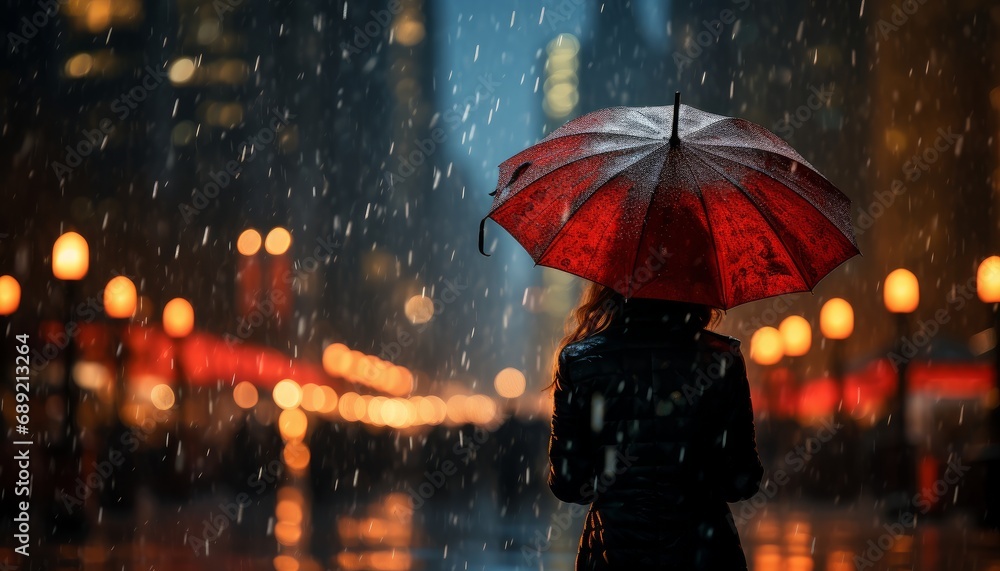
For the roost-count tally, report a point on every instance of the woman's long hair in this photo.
(598, 306)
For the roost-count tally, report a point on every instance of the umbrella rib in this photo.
(564, 165)
(789, 184)
(581, 205)
(798, 158)
(711, 234)
(795, 259)
(645, 222)
(551, 138)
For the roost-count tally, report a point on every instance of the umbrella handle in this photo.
(482, 235)
(674, 138)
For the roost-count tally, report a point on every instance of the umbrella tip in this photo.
(674, 137)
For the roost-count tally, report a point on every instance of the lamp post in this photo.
(988, 289)
(901, 295)
(120, 300)
(178, 322)
(796, 339)
(766, 349)
(10, 299)
(277, 244)
(248, 271)
(70, 262)
(796, 335)
(836, 323)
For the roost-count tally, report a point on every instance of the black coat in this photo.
(653, 426)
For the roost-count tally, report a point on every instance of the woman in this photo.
(652, 425)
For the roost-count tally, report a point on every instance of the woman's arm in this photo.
(571, 466)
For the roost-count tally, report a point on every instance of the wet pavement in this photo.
(284, 532)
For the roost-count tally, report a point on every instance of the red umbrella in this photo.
(674, 203)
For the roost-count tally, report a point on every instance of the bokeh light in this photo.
(249, 242)
(70, 257)
(419, 309)
(901, 292)
(162, 396)
(766, 346)
(245, 394)
(120, 298)
(796, 335)
(10, 295)
(988, 280)
(510, 383)
(178, 318)
(278, 241)
(836, 319)
(292, 424)
(287, 394)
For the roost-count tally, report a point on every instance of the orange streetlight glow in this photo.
(278, 241)
(766, 347)
(178, 318)
(120, 298)
(901, 292)
(836, 319)
(10, 295)
(988, 280)
(249, 242)
(70, 257)
(796, 335)
(287, 394)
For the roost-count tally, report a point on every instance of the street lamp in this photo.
(988, 289)
(120, 301)
(178, 322)
(70, 262)
(767, 349)
(248, 270)
(796, 339)
(277, 244)
(901, 294)
(836, 323)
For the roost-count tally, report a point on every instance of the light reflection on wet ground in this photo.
(388, 535)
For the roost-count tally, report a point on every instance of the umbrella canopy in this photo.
(674, 203)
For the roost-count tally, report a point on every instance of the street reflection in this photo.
(380, 539)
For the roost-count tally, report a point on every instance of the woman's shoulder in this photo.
(719, 340)
(586, 347)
